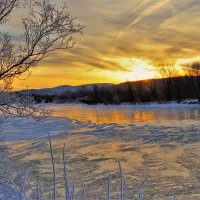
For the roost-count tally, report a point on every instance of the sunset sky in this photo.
(122, 41)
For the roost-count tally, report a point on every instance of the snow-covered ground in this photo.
(160, 142)
(8, 193)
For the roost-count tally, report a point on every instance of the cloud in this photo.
(144, 14)
(153, 30)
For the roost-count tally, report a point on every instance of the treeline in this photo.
(160, 90)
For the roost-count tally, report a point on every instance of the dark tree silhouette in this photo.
(167, 72)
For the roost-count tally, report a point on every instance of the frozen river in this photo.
(159, 143)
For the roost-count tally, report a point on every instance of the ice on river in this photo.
(157, 142)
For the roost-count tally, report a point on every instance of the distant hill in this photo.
(60, 89)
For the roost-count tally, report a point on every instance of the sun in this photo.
(131, 69)
(137, 69)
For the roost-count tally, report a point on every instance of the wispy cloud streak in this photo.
(144, 14)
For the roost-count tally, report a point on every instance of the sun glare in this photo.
(137, 69)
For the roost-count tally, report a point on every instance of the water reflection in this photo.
(127, 114)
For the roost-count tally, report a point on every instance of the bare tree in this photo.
(6, 8)
(194, 72)
(167, 72)
(45, 29)
(130, 93)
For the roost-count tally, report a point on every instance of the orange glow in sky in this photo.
(121, 42)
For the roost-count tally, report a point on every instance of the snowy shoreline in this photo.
(172, 104)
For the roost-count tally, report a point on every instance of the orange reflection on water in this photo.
(144, 116)
(105, 115)
(120, 115)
